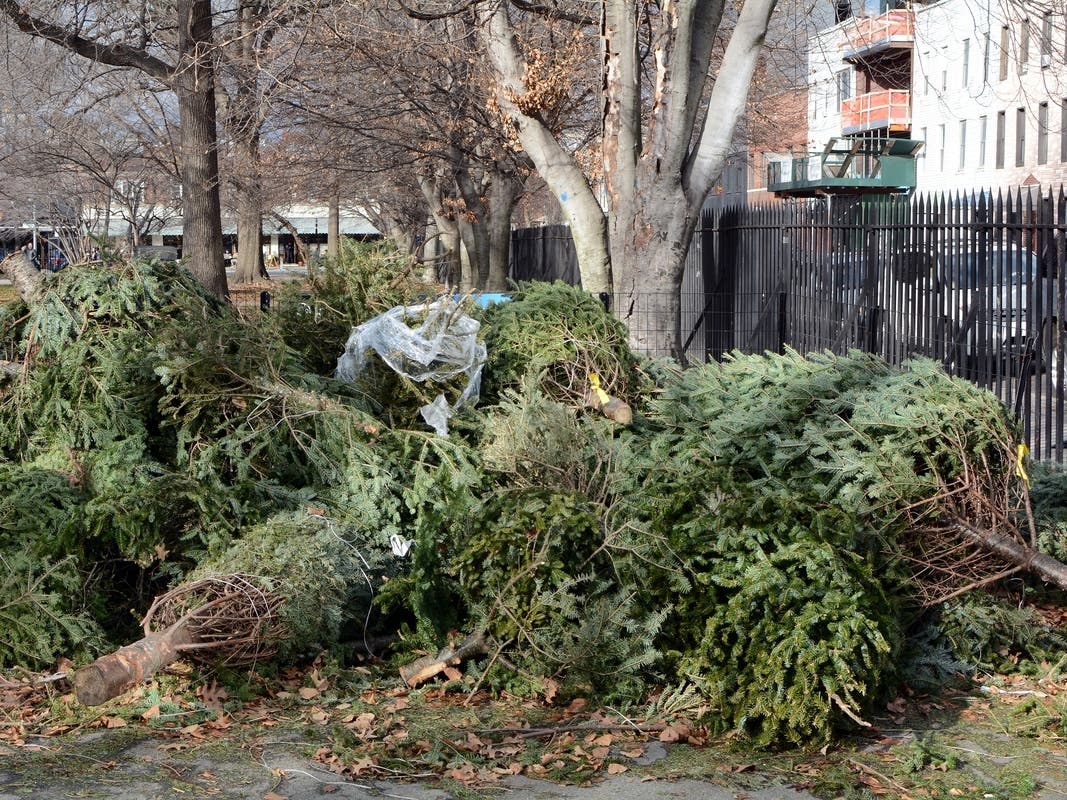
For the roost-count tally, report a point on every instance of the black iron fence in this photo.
(976, 282)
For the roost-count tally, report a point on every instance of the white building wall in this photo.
(962, 80)
(824, 68)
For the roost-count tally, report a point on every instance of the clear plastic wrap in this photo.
(430, 342)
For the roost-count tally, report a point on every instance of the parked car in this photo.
(1001, 306)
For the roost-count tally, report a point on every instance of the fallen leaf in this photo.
(617, 769)
(551, 688)
(308, 692)
(212, 695)
(151, 713)
(576, 705)
(113, 722)
(361, 765)
(465, 773)
(669, 734)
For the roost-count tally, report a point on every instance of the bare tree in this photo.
(176, 51)
(426, 114)
(658, 159)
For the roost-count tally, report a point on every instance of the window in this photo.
(966, 62)
(944, 68)
(1001, 137)
(922, 153)
(985, 59)
(1042, 133)
(1046, 39)
(844, 86)
(1024, 44)
(1020, 137)
(1005, 37)
(1063, 129)
(963, 144)
(926, 72)
(983, 132)
(941, 148)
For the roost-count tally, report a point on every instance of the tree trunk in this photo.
(450, 264)
(24, 276)
(249, 211)
(1014, 551)
(194, 86)
(111, 675)
(502, 195)
(553, 162)
(333, 225)
(302, 254)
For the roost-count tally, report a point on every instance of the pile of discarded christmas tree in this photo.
(777, 532)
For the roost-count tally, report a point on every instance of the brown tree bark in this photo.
(24, 276)
(191, 76)
(111, 675)
(1015, 552)
(194, 84)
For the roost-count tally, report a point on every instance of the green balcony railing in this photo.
(867, 165)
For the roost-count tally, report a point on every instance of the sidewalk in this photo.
(128, 765)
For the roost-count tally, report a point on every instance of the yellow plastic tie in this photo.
(601, 395)
(1021, 452)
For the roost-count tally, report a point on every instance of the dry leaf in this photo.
(617, 769)
(465, 774)
(151, 713)
(551, 688)
(113, 722)
(308, 692)
(361, 765)
(576, 705)
(669, 734)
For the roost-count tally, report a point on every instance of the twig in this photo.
(851, 714)
(53, 678)
(583, 727)
(884, 778)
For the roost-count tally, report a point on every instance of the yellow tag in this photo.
(1021, 452)
(601, 395)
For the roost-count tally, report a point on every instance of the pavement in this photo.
(126, 765)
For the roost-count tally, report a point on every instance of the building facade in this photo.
(980, 86)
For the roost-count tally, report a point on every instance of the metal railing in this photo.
(977, 282)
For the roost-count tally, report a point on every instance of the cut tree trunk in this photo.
(111, 675)
(24, 276)
(1015, 552)
(422, 669)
